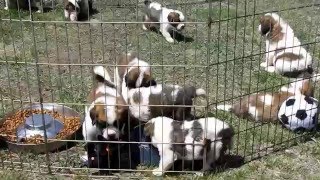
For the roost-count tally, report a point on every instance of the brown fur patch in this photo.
(136, 97)
(132, 76)
(288, 57)
(149, 129)
(307, 88)
(174, 17)
(121, 108)
(124, 60)
(98, 114)
(266, 113)
(271, 26)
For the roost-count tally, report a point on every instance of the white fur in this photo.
(291, 45)
(254, 112)
(165, 26)
(267, 99)
(224, 107)
(101, 71)
(141, 110)
(162, 140)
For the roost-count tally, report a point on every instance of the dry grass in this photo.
(224, 59)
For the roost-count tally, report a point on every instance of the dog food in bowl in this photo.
(14, 127)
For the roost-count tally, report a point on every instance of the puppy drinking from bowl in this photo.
(204, 138)
(169, 19)
(284, 53)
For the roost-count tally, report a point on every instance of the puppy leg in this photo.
(167, 158)
(164, 31)
(269, 60)
(145, 19)
(6, 7)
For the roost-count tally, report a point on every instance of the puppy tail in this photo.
(200, 92)
(147, 2)
(192, 92)
(103, 76)
(224, 107)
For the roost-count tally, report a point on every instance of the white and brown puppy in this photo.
(284, 53)
(132, 72)
(207, 138)
(169, 19)
(163, 100)
(264, 106)
(107, 109)
(75, 9)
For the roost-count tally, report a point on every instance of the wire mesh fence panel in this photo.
(48, 66)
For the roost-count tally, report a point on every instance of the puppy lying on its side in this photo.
(169, 19)
(264, 106)
(206, 138)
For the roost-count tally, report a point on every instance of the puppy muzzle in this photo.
(180, 27)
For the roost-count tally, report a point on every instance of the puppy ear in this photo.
(93, 116)
(149, 129)
(129, 82)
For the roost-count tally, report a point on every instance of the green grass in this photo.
(224, 58)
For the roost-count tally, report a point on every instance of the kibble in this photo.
(10, 125)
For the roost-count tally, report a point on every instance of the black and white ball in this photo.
(299, 113)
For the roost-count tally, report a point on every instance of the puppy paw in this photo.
(5, 8)
(157, 172)
(284, 89)
(144, 27)
(200, 174)
(270, 69)
(170, 40)
(264, 64)
(39, 11)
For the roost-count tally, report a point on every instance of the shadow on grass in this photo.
(178, 36)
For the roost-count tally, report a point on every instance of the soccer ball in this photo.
(299, 112)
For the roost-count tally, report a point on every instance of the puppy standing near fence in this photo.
(207, 138)
(284, 53)
(169, 19)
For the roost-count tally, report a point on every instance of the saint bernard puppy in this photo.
(284, 53)
(107, 111)
(163, 100)
(169, 19)
(205, 139)
(264, 106)
(132, 72)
